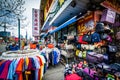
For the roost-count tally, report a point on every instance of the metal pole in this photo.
(19, 32)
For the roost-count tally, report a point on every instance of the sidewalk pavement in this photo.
(54, 73)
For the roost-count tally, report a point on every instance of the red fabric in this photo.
(73, 77)
(5, 70)
(81, 41)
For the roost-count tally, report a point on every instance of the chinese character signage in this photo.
(35, 22)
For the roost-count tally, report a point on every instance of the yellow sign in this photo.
(112, 4)
(47, 8)
(61, 2)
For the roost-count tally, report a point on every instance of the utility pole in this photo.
(19, 32)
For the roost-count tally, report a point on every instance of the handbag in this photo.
(112, 48)
(95, 37)
(115, 67)
(109, 38)
(70, 37)
(110, 77)
(91, 47)
(99, 27)
(85, 46)
(108, 16)
(77, 52)
(80, 40)
(107, 28)
(73, 77)
(87, 71)
(80, 54)
(118, 35)
(94, 57)
(117, 74)
(78, 46)
(103, 36)
(84, 54)
(87, 37)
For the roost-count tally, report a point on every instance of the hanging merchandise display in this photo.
(20, 65)
(102, 35)
(99, 27)
(52, 54)
(80, 40)
(87, 37)
(97, 44)
(95, 37)
(108, 16)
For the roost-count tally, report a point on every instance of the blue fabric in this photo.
(37, 65)
(55, 55)
(14, 69)
(95, 37)
(10, 71)
(43, 54)
(13, 48)
(51, 57)
(33, 64)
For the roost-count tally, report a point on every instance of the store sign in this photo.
(86, 18)
(35, 22)
(47, 8)
(112, 4)
(61, 2)
(84, 22)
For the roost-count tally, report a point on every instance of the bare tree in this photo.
(10, 11)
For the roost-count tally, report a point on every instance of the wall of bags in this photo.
(97, 45)
(97, 38)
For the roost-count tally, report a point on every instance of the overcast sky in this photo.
(29, 4)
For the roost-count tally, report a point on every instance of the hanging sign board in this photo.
(35, 22)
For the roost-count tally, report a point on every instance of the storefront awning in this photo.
(64, 24)
(45, 35)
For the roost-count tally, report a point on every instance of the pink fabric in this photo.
(5, 70)
(73, 77)
(91, 72)
(109, 38)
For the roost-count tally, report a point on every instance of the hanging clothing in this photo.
(23, 68)
(37, 65)
(19, 69)
(5, 70)
(10, 71)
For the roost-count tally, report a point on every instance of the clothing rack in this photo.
(26, 64)
(10, 55)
